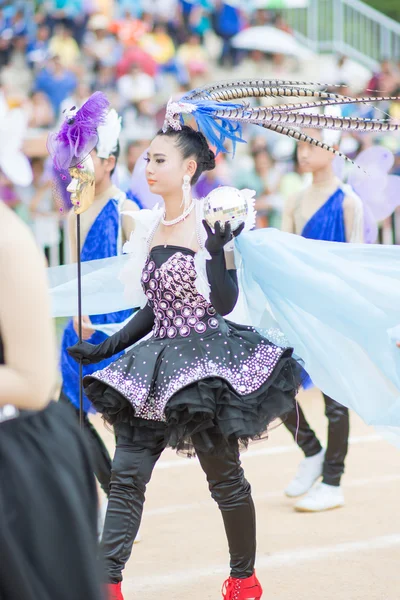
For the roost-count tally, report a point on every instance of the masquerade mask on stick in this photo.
(82, 185)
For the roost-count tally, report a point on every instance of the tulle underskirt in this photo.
(206, 414)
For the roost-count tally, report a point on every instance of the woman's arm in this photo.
(288, 224)
(221, 272)
(353, 214)
(128, 224)
(28, 377)
(138, 327)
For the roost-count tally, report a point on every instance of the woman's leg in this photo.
(297, 424)
(338, 441)
(232, 493)
(131, 471)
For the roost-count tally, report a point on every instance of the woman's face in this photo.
(166, 168)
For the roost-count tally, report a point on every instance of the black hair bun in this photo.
(209, 160)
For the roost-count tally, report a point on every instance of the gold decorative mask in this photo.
(82, 185)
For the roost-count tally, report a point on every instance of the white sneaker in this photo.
(321, 497)
(310, 469)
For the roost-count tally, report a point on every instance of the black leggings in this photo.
(99, 455)
(131, 471)
(338, 438)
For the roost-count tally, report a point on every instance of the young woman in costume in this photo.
(201, 381)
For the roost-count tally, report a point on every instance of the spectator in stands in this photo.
(37, 51)
(78, 97)
(65, 47)
(64, 12)
(160, 46)
(56, 82)
(129, 29)
(194, 57)
(133, 152)
(100, 46)
(385, 81)
(263, 177)
(40, 111)
(135, 86)
(227, 23)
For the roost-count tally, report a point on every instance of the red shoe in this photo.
(242, 589)
(114, 591)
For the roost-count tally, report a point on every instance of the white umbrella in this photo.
(270, 40)
(279, 4)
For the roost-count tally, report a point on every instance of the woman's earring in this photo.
(186, 188)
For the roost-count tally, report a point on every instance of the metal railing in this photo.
(348, 27)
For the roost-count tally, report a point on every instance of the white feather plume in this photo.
(109, 134)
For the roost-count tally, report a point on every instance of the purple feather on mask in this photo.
(78, 134)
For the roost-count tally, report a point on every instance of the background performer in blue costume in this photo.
(325, 210)
(103, 232)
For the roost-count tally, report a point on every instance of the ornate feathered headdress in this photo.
(220, 112)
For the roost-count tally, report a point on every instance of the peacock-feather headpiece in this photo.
(220, 110)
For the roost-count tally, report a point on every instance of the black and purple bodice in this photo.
(194, 357)
(179, 309)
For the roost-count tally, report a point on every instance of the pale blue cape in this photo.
(335, 304)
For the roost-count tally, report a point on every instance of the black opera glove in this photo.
(216, 241)
(223, 282)
(140, 325)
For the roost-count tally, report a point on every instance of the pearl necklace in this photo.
(181, 217)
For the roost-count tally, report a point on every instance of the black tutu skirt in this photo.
(201, 391)
(48, 509)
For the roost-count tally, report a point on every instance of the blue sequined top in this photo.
(328, 222)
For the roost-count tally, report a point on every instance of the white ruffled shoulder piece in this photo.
(146, 222)
(201, 282)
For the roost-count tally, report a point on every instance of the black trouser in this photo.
(131, 471)
(99, 455)
(338, 437)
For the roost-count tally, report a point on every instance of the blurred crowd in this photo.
(55, 53)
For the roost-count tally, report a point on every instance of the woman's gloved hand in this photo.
(88, 353)
(220, 237)
(136, 328)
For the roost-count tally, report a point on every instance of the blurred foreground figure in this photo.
(47, 491)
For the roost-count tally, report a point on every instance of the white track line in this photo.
(179, 463)
(178, 508)
(274, 561)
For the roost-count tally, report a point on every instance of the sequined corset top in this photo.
(168, 279)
